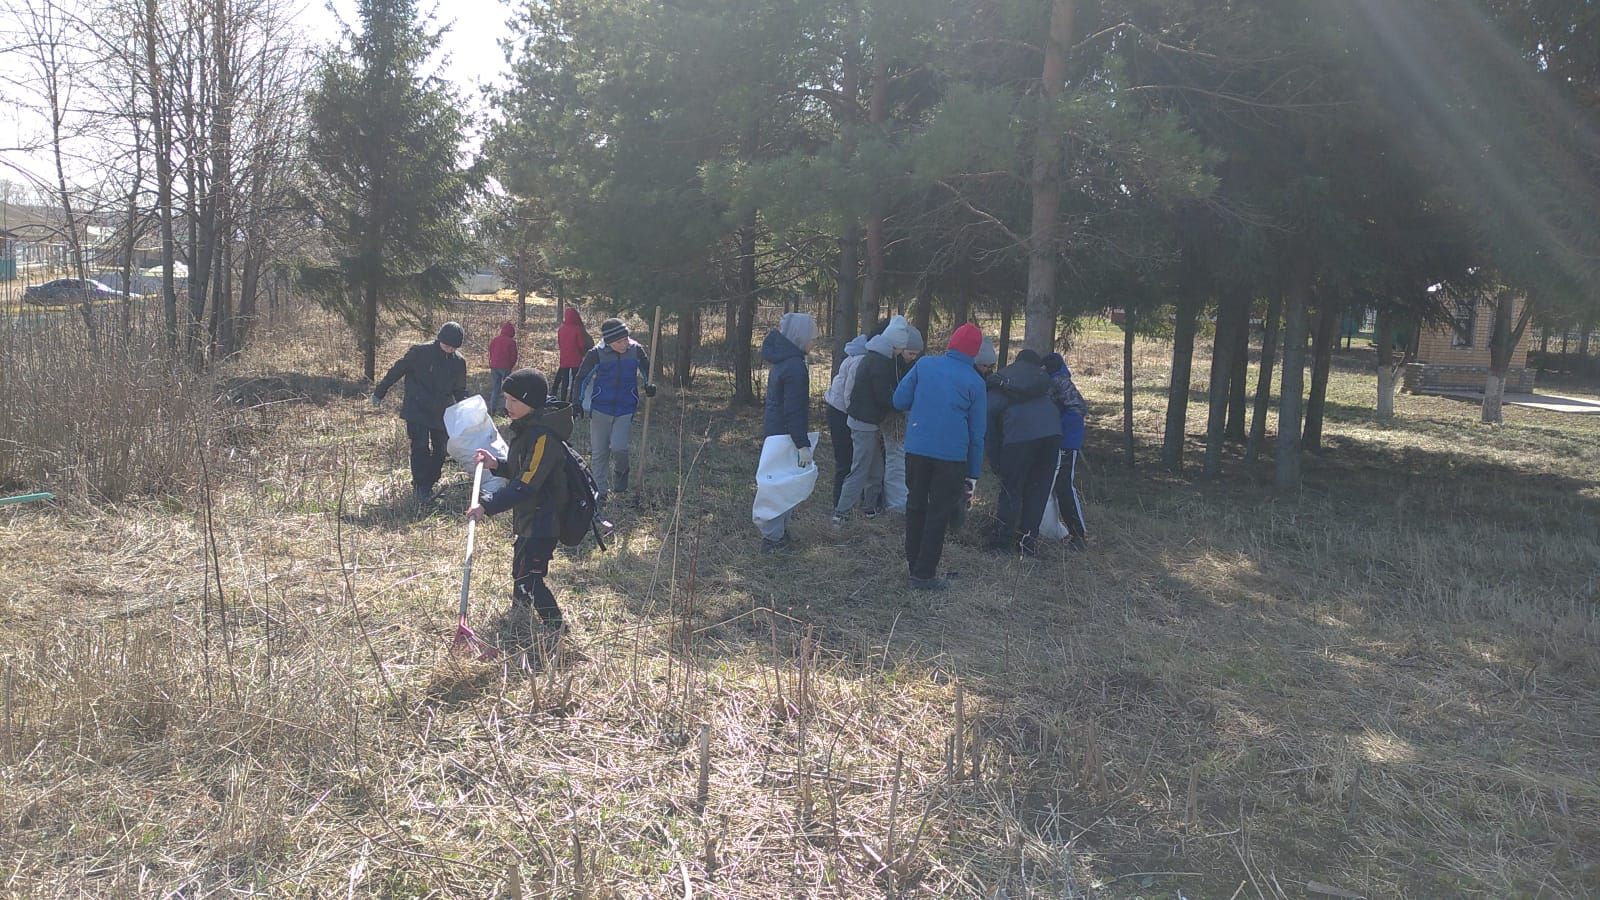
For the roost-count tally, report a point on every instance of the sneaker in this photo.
(929, 584)
(870, 514)
(780, 545)
(837, 523)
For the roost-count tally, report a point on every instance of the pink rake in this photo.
(467, 640)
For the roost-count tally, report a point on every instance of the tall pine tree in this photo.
(386, 180)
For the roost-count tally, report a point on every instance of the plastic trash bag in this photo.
(471, 429)
(781, 484)
(1052, 527)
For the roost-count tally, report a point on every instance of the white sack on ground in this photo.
(781, 484)
(471, 429)
(1052, 527)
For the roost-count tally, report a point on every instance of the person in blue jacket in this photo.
(946, 416)
(609, 380)
(1073, 411)
(788, 406)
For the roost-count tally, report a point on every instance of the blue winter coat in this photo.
(609, 381)
(788, 409)
(946, 409)
(1072, 405)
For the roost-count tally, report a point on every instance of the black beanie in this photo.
(613, 330)
(527, 385)
(452, 334)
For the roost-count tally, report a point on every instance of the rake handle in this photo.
(472, 542)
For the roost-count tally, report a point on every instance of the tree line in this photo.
(1201, 166)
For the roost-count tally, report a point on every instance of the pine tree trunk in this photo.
(1239, 377)
(1291, 397)
(1222, 353)
(961, 314)
(1045, 185)
(1008, 307)
(877, 116)
(1188, 311)
(1322, 345)
(744, 390)
(844, 308)
(922, 312)
(688, 337)
(1127, 386)
(369, 330)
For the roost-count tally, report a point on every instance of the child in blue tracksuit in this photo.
(1073, 410)
(946, 416)
(608, 383)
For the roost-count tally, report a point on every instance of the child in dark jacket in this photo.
(1024, 444)
(788, 406)
(536, 494)
(1074, 409)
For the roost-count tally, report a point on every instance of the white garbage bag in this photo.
(471, 429)
(781, 484)
(1052, 527)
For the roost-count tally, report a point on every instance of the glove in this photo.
(649, 390)
(805, 457)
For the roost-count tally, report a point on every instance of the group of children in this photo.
(602, 382)
(910, 433)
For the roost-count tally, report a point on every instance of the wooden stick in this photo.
(650, 378)
(703, 791)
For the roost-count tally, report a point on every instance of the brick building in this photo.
(1455, 357)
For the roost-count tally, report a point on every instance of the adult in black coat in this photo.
(435, 379)
(1024, 438)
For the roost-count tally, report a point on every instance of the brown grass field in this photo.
(1383, 685)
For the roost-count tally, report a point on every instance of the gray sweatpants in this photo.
(865, 481)
(608, 447)
(774, 529)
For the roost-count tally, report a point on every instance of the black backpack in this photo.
(581, 515)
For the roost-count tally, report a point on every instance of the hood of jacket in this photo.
(508, 330)
(555, 416)
(857, 346)
(777, 348)
(883, 345)
(1024, 379)
(571, 317)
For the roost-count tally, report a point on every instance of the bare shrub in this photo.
(102, 418)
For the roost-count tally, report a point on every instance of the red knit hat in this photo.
(966, 340)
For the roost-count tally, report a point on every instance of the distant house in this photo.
(1455, 357)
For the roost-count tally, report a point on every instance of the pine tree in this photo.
(386, 181)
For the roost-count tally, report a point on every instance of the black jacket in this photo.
(1020, 408)
(788, 407)
(876, 378)
(535, 464)
(435, 381)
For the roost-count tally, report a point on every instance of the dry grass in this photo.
(1384, 684)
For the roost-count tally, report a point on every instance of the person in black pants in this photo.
(436, 379)
(1024, 436)
(946, 415)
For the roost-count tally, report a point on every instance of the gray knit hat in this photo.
(987, 355)
(914, 339)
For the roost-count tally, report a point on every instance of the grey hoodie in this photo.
(838, 395)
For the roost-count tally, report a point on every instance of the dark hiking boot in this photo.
(421, 495)
(781, 545)
(929, 584)
(1077, 545)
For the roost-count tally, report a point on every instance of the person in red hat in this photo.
(946, 410)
